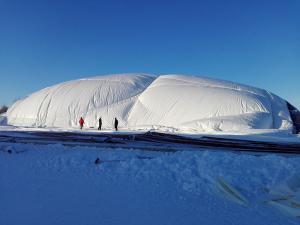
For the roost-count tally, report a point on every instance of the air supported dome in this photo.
(143, 101)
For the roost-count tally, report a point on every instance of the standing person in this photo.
(116, 124)
(100, 123)
(81, 122)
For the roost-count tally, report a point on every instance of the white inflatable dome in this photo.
(142, 101)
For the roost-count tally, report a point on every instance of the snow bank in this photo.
(141, 101)
(58, 185)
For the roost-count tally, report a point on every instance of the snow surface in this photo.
(140, 101)
(59, 185)
(56, 184)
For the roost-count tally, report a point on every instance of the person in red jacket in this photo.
(81, 122)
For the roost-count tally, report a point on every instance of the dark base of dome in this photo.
(295, 116)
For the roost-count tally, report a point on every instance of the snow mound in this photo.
(142, 101)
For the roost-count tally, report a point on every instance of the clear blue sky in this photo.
(253, 42)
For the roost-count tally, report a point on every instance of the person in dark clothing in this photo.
(81, 122)
(116, 124)
(100, 123)
(97, 161)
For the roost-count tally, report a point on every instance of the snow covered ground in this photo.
(55, 184)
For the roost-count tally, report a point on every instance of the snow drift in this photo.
(142, 101)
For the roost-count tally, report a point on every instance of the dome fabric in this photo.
(143, 101)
